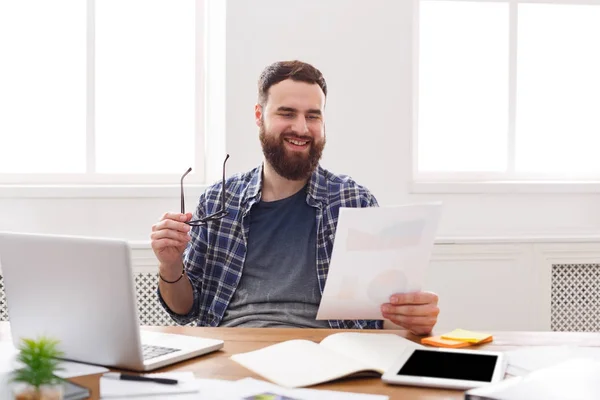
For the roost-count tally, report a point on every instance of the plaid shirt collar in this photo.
(317, 188)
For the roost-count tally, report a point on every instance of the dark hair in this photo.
(282, 70)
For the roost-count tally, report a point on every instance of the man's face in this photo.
(292, 131)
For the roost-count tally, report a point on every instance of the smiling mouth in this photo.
(297, 142)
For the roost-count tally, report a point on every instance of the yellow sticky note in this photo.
(437, 341)
(467, 336)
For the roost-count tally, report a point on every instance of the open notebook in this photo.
(299, 363)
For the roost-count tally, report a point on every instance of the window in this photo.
(101, 91)
(508, 90)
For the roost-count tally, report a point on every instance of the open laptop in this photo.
(81, 292)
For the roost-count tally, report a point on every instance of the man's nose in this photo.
(300, 125)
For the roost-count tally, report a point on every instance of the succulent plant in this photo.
(40, 364)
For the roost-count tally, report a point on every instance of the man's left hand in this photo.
(416, 311)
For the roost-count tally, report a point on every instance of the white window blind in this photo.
(100, 90)
(508, 90)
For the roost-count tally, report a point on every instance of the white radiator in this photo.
(149, 309)
(572, 287)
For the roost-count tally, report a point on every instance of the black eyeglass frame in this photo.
(212, 217)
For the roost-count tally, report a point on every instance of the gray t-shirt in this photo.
(279, 286)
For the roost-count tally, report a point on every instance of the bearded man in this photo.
(256, 252)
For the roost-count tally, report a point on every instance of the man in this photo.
(265, 263)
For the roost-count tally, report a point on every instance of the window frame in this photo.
(491, 182)
(92, 184)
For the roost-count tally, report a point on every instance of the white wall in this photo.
(364, 50)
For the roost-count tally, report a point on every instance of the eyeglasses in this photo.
(212, 217)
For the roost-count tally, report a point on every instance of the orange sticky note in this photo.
(438, 341)
(468, 336)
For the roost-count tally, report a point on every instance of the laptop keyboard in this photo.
(150, 351)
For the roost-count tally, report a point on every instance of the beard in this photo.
(290, 165)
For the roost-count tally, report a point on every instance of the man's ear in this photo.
(258, 114)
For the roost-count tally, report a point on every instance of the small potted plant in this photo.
(36, 379)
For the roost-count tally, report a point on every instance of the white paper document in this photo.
(71, 369)
(114, 388)
(378, 251)
(8, 356)
(253, 389)
(575, 379)
(208, 389)
(213, 389)
(523, 361)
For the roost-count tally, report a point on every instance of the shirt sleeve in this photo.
(367, 199)
(193, 263)
(182, 319)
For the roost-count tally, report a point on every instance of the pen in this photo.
(140, 378)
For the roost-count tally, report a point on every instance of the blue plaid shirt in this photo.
(215, 255)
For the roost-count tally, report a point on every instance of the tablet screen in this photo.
(447, 365)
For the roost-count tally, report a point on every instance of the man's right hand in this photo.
(170, 236)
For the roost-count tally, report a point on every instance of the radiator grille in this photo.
(3, 306)
(149, 309)
(575, 297)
